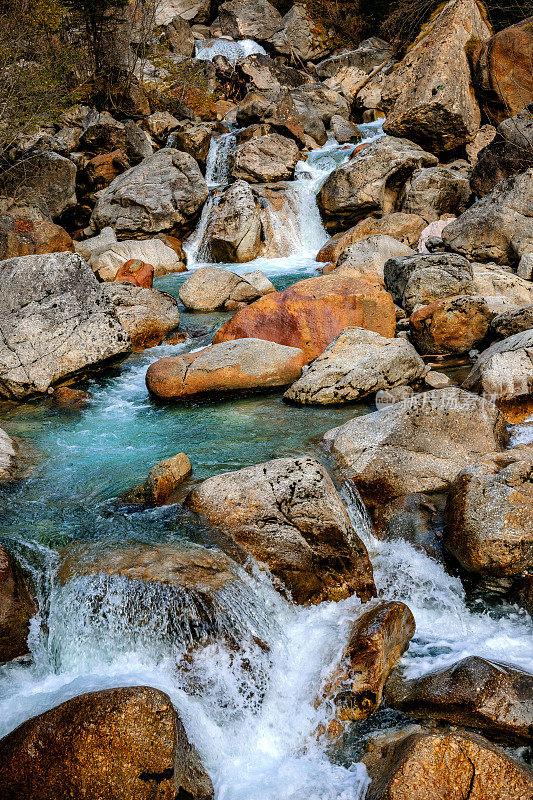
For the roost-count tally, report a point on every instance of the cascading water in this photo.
(208, 49)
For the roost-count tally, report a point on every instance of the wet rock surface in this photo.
(17, 607)
(146, 314)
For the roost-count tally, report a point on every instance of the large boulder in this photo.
(166, 11)
(502, 71)
(127, 743)
(42, 178)
(451, 325)
(417, 445)
(146, 314)
(488, 521)
(357, 363)
(265, 159)
(234, 232)
(302, 36)
(165, 192)
(107, 260)
(311, 313)
(367, 257)
(419, 765)
(371, 181)
(509, 153)
(505, 369)
(17, 607)
(265, 74)
(249, 19)
(502, 285)
(404, 228)
(491, 697)
(369, 54)
(195, 138)
(210, 288)
(515, 320)
(243, 365)
(287, 514)
(26, 231)
(429, 94)
(435, 191)
(376, 642)
(421, 279)
(55, 320)
(499, 227)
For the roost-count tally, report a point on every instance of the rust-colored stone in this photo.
(450, 325)
(16, 609)
(136, 272)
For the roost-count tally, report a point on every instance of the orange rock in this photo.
(70, 398)
(136, 272)
(450, 325)
(28, 231)
(311, 313)
(104, 168)
(516, 409)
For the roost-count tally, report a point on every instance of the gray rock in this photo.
(234, 231)
(102, 133)
(505, 369)
(424, 278)
(138, 143)
(319, 99)
(496, 282)
(211, 288)
(302, 36)
(515, 320)
(357, 363)
(55, 320)
(146, 314)
(369, 54)
(42, 177)
(266, 74)
(369, 256)
(418, 445)
(435, 191)
(265, 159)
(509, 153)
(249, 19)
(165, 192)
(8, 457)
(343, 130)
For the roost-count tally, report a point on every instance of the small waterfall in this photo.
(217, 162)
(207, 49)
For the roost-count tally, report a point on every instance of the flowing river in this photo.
(252, 716)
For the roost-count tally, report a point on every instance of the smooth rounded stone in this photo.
(429, 95)
(427, 765)
(162, 482)
(146, 314)
(371, 181)
(376, 642)
(357, 363)
(509, 153)
(436, 380)
(489, 516)
(42, 178)
(421, 279)
(125, 743)
(265, 159)
(302, 36)
(8, 457)
(491, 697)
(404, 228)
(249, 19)
(434, 191)
(210, 288)
(502, 71)
(107, 262)
(311, 313)
(165, 192)
(288, 515)
(493, 281)
(243, 365)
(17, 607)
(234, 231)
(514, 320)
(343, 130)
(505, 369)
(367, 257)
(417, 445)
(55, 321)
(25, 231)
(499, 227)
(94, 245)
(451, 325)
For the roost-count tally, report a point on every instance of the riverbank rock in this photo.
(420, 444)
(502, 71)
(17, 607)
(377, 641)
(451, 325)
(488, 521)
(311, 313)
(42, 178)
(491, 697)
(404, 228)
(125, 743)
(501, 284)
(265, 159)
(429, 94)
(302, 36)
(421, 279)
(509, 153)
(165, 192)
(505, 369)
(210, 288)
(8, 457)
(371, 181)
(249, 19)
(235, 228)
(515, 320)
(357, 363)
(25, 231)
(239, 366)
(107, 260)
(442, 766)
(367, 258)
(287, 514)
(162, 482)
(146, 314)
(499, 227)
(55, 322)
(435, 191)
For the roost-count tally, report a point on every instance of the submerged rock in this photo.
(417, 445)
(146, 314)
(17, 607)
(491, 697)
(357, 363)
(126, 743)
(287, 514)
(311, 313)
(241, 366)
(210, 288)
(56, 321)
(162, 482)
